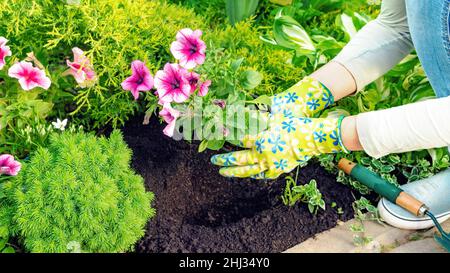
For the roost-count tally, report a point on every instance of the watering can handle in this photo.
(383, 187)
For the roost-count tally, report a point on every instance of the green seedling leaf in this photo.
(215, 144)
(235, 65)
(251, 79)
(203, 145)
(263, 99)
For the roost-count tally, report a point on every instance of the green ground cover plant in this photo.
(79, 191)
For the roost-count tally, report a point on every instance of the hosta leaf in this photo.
(290, 34)
(238, 10)
(360, 20)
(268, 39)
(345, 22)
(422, 92)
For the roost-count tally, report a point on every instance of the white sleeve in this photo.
(410, 127)
(379, 45)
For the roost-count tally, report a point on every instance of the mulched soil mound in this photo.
(200, 211)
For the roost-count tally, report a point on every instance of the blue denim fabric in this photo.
(429, 24)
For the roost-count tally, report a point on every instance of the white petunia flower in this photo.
(61, 125)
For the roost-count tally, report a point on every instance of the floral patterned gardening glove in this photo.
(291, 137)
(305, 98)
(287, 142)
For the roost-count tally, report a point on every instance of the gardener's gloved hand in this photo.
(287, 142)
(304, 99)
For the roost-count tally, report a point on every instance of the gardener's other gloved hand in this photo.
(304, 99)
(287, 142)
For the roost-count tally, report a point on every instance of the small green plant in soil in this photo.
(307, 193)
(81, 189)
(364, 211)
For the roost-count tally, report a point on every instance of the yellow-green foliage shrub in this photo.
(112, 32)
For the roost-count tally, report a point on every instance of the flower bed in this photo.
(200, 211)
(72, 70)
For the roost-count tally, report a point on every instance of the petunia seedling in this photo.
(170, 116)
(189, 49)
(5, 51)
(29, 76)
(172, 84)
(204, 87)
(8, 165)
(140, 81)
(195, 83)
(81, 69)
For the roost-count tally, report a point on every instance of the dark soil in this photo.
(200, 211)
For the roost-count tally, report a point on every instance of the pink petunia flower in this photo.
(220, 103)
(204, 87)
(8, 165)
(193, 79)
(140, 80)
(81, 69)
(5, 51)
(170, 116)
(189, 49)
(171, 84)
(29, 76)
